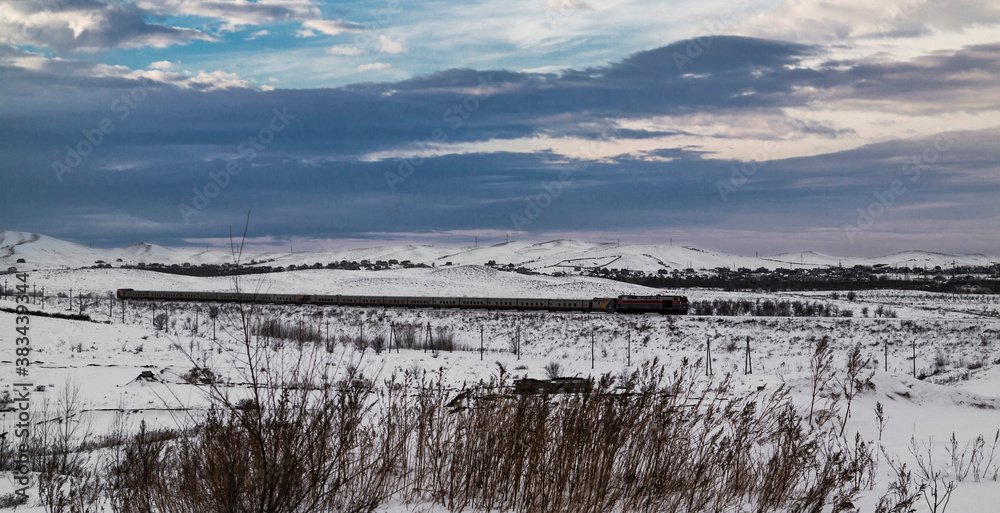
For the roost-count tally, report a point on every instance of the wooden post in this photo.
(628, 348)
(592, 348)
(70, 299)
(708, 356)
(748, 367)
(481, 348)
(886, 358)
(43, 298)
(517, 343)
(79, 302)
(913, 342)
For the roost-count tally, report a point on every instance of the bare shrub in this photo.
(160, 321)
(854, 381)
(936, 488)
(197, 375)
(68, 479)
(552, 370)
(12, 500)
(903, 491)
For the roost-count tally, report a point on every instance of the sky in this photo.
(848, 127)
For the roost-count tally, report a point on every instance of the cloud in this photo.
(388, 45)
(829, 22)
(567, 4)
(85, 75)
(345, 50)
(86, 26)
(236, 13)
(331, 27)
(255, 35)
(644, 138)
(375, 66)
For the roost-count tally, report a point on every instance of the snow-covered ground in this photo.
(43, 252)
(956, 340)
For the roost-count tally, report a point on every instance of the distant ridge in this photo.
(43, 252)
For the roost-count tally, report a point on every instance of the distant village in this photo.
(952, 279)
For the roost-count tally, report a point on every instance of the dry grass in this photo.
(663, 443)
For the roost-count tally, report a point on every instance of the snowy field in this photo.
(955, 339)
(40, 252)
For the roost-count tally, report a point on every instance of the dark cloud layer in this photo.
(316, 177)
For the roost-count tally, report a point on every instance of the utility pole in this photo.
(43, 298)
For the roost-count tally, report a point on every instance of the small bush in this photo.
(12, 500)
(199, 375)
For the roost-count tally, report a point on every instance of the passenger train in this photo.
(622, 304)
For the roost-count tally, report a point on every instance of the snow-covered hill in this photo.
(42, 252)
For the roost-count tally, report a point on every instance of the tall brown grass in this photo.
(664, 442)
